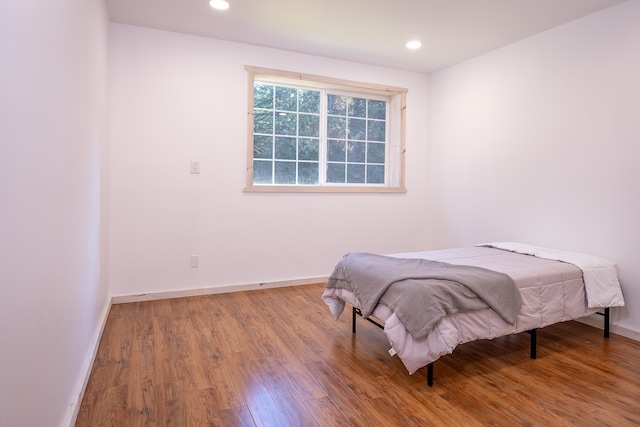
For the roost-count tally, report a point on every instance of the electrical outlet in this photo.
(194, 261)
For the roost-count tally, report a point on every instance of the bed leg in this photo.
(534, 342)
(430, 374)
(353, 320)
(607, 320)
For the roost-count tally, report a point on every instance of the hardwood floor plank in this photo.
(283, 393)
(302, 382)
(106, 406)
(258, 400)
(202, 408)
(326, 413)
(227, 387)
(358, 410)
(275, 357)
(236, 417)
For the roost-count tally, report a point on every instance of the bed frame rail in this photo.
(533, 332)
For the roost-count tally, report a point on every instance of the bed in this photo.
(538, 287)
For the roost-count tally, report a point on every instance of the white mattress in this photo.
(552, 291)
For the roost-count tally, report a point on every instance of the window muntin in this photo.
(321, 134)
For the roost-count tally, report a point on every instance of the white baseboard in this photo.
(85, 372)
(597, 321)
(120, 299)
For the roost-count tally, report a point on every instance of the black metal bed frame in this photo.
(532, 332)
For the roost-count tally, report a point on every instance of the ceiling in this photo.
(367, 31)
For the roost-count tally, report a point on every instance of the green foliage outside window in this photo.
(288, 124)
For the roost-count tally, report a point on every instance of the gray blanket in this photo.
(420, 292)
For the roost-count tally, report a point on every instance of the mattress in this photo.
(552, 291)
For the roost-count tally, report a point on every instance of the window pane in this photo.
(337, 105)
(262, 96)
(262, 147)
(335, 172)
(375, 174)
(286, 123)
(285, 148)
(262, 121)
(262, 172)
(308, 125)
(285, 173)
(355, 174)
(356, 151)
(375, 130)
(336, 151)
(377, 109)
(308, 149)
(358, 107)
(336, 127)
(357, 129)
(308, 173)
(286, 98)
(309, 101)
(375, 153)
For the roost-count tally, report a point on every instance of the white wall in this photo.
(176, 98)
(539, 142)
(53, 131)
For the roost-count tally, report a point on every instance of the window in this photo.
(316, 134)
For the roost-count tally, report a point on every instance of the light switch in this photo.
(194, 167)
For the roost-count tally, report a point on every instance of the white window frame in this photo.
(396, 111)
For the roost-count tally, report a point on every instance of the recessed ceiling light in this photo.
(219, 4)
(414, 44)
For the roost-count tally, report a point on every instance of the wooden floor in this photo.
(275, 358)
